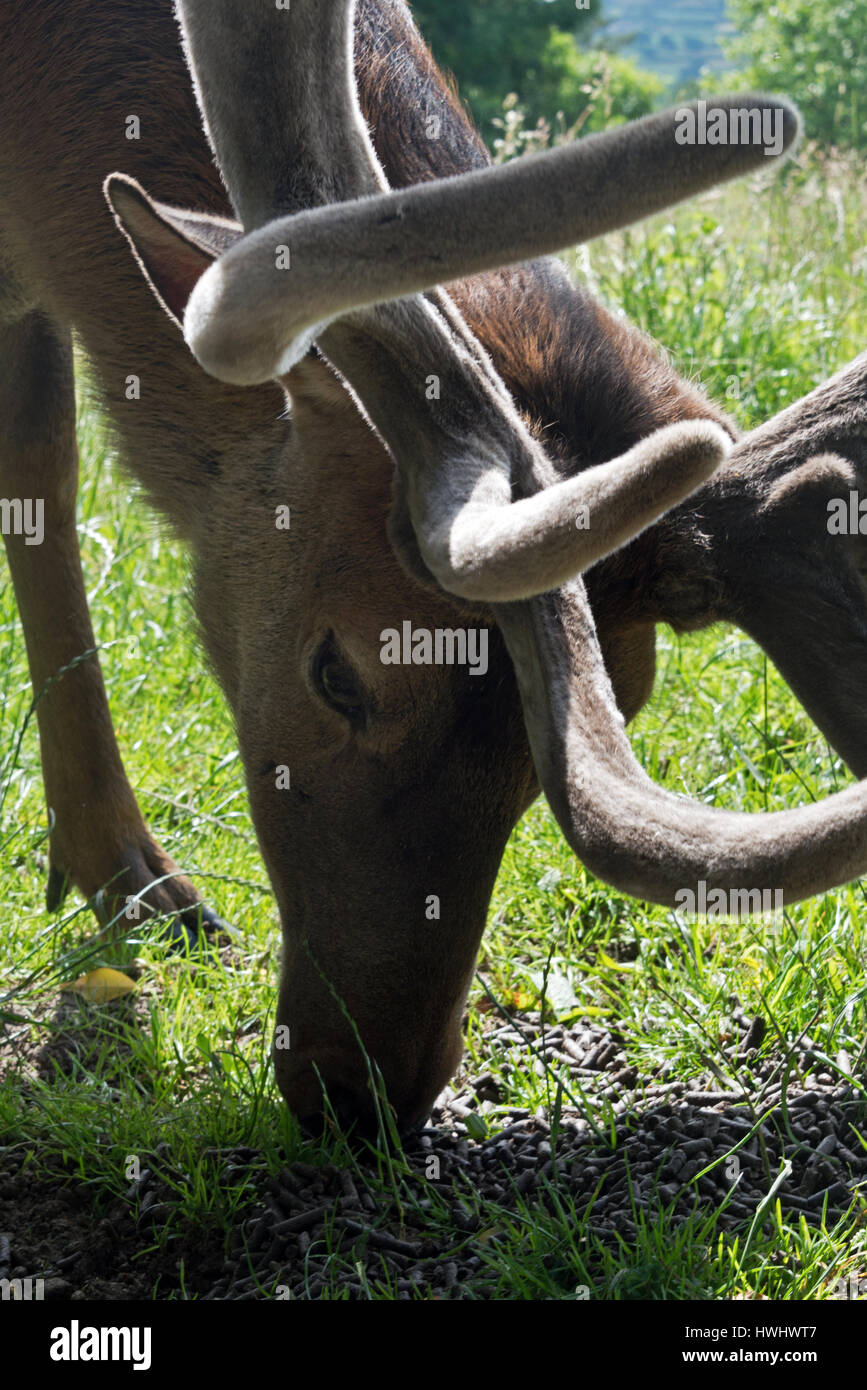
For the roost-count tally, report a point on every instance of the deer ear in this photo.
(172, 246)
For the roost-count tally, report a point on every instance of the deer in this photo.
(285, 260)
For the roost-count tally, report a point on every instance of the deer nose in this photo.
(317, 1092)
(351, 1109)
(349, 1100)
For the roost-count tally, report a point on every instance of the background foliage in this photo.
(816, 54)
(540, 51)
(557, 59)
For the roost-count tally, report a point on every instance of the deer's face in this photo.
(382, 792)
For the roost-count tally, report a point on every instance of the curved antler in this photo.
(786, 566)
(644, 840)
(460, 443)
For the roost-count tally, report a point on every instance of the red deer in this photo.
(307, 274)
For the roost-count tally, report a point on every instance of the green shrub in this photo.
(816, 54)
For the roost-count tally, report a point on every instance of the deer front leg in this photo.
(98, 839)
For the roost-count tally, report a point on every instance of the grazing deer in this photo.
(435, 454)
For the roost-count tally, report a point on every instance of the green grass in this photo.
(757, 292)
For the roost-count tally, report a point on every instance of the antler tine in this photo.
(633, 834)
(780, 497)
(277, 90)
(458, 453)
(248, 322)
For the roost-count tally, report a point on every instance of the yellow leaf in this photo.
(614, 964)
(521, 999)
(99, 986)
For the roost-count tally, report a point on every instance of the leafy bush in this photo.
(495, 48)
(816, 54)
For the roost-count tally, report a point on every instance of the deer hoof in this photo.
(197, 928)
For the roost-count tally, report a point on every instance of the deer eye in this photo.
(334, 681)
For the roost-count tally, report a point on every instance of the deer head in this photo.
(405, 781)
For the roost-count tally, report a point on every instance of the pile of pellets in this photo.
(677, 1145)
(609, 1147)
